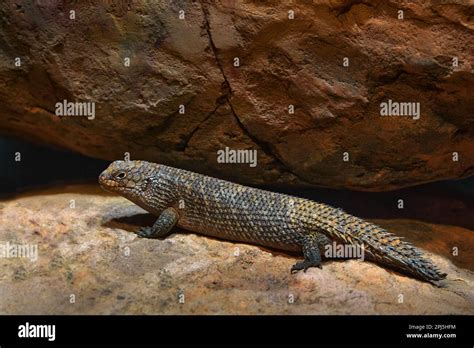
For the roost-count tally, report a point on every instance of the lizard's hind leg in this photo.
(312, 244)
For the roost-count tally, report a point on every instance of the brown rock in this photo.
(282, 62)
(91, 252)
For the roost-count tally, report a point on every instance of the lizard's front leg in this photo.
(162, 226)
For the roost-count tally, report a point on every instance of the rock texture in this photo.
(283, 62)
(91, 252)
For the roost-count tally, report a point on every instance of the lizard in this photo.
(230, 211)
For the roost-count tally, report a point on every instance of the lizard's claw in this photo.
(304, 265)
(145, 232)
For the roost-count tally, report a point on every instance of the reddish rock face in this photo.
(424, 58)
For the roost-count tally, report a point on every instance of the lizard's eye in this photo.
(120, 175)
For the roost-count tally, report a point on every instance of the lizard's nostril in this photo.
(101, 177)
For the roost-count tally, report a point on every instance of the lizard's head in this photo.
(128, 178)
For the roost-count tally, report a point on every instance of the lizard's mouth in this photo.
(112, 185)
(106, 183)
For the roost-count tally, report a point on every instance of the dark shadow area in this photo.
(444, 202)
(131, 223)
(43, 166)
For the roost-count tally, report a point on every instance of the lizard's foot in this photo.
(311, 252)
(304, 265)
(162, 226)
(145, 232)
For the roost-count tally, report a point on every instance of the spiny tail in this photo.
(381, 246)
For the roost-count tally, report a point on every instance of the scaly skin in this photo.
(234, 212)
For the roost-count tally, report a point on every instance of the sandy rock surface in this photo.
(90, 251)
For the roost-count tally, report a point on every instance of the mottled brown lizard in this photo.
(230, 211)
